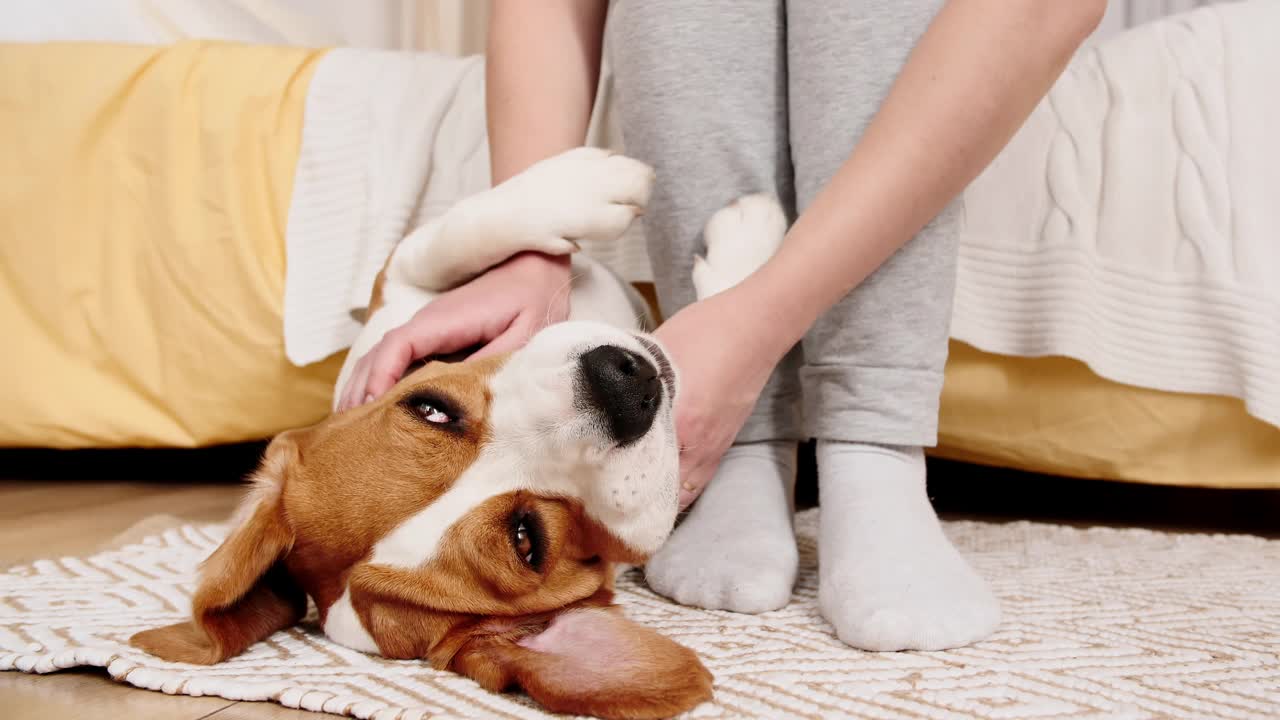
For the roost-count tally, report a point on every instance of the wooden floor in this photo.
(54, 504)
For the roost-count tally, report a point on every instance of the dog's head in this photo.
(473, 517)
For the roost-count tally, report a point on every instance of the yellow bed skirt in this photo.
(143, 199)
(1054, 415)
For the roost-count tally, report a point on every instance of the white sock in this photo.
(889, 578)
(736, 550)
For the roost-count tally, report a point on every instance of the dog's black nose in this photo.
(624, 387)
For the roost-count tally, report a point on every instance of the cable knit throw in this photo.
(1133, 222)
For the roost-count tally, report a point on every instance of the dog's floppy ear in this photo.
(590, 661)
(245, 592)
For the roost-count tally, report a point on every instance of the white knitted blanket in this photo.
(1134, 223)
(389, 140)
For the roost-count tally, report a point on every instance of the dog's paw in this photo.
(740, 238)
(583, 194)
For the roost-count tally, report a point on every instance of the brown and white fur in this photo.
(474, 516)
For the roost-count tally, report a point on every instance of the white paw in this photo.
(740, 238)
(583, 194)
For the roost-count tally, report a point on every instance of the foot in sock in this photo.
(889, 578)
(736, 549)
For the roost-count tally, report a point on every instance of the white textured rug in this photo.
(1098, 623)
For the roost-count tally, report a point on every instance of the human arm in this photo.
(969, 84)
(542, 68)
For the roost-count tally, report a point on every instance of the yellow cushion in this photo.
(1054, 415)
(143, 199)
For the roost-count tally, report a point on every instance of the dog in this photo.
(476, 514)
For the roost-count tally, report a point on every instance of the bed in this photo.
(192, 228)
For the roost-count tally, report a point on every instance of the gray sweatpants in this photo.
(730, 97)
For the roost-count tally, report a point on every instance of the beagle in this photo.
(475, 515)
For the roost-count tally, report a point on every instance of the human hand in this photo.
(724, 361)
(499, 310)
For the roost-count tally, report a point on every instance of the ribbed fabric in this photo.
(1143, 331)
(390, 140)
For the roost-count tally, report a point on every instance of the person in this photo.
(867, 118)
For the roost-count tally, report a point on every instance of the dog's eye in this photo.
(431, 408)
(431, 413)
(526, 539)
(524, 544)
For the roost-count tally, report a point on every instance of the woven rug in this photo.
(1098, 623)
